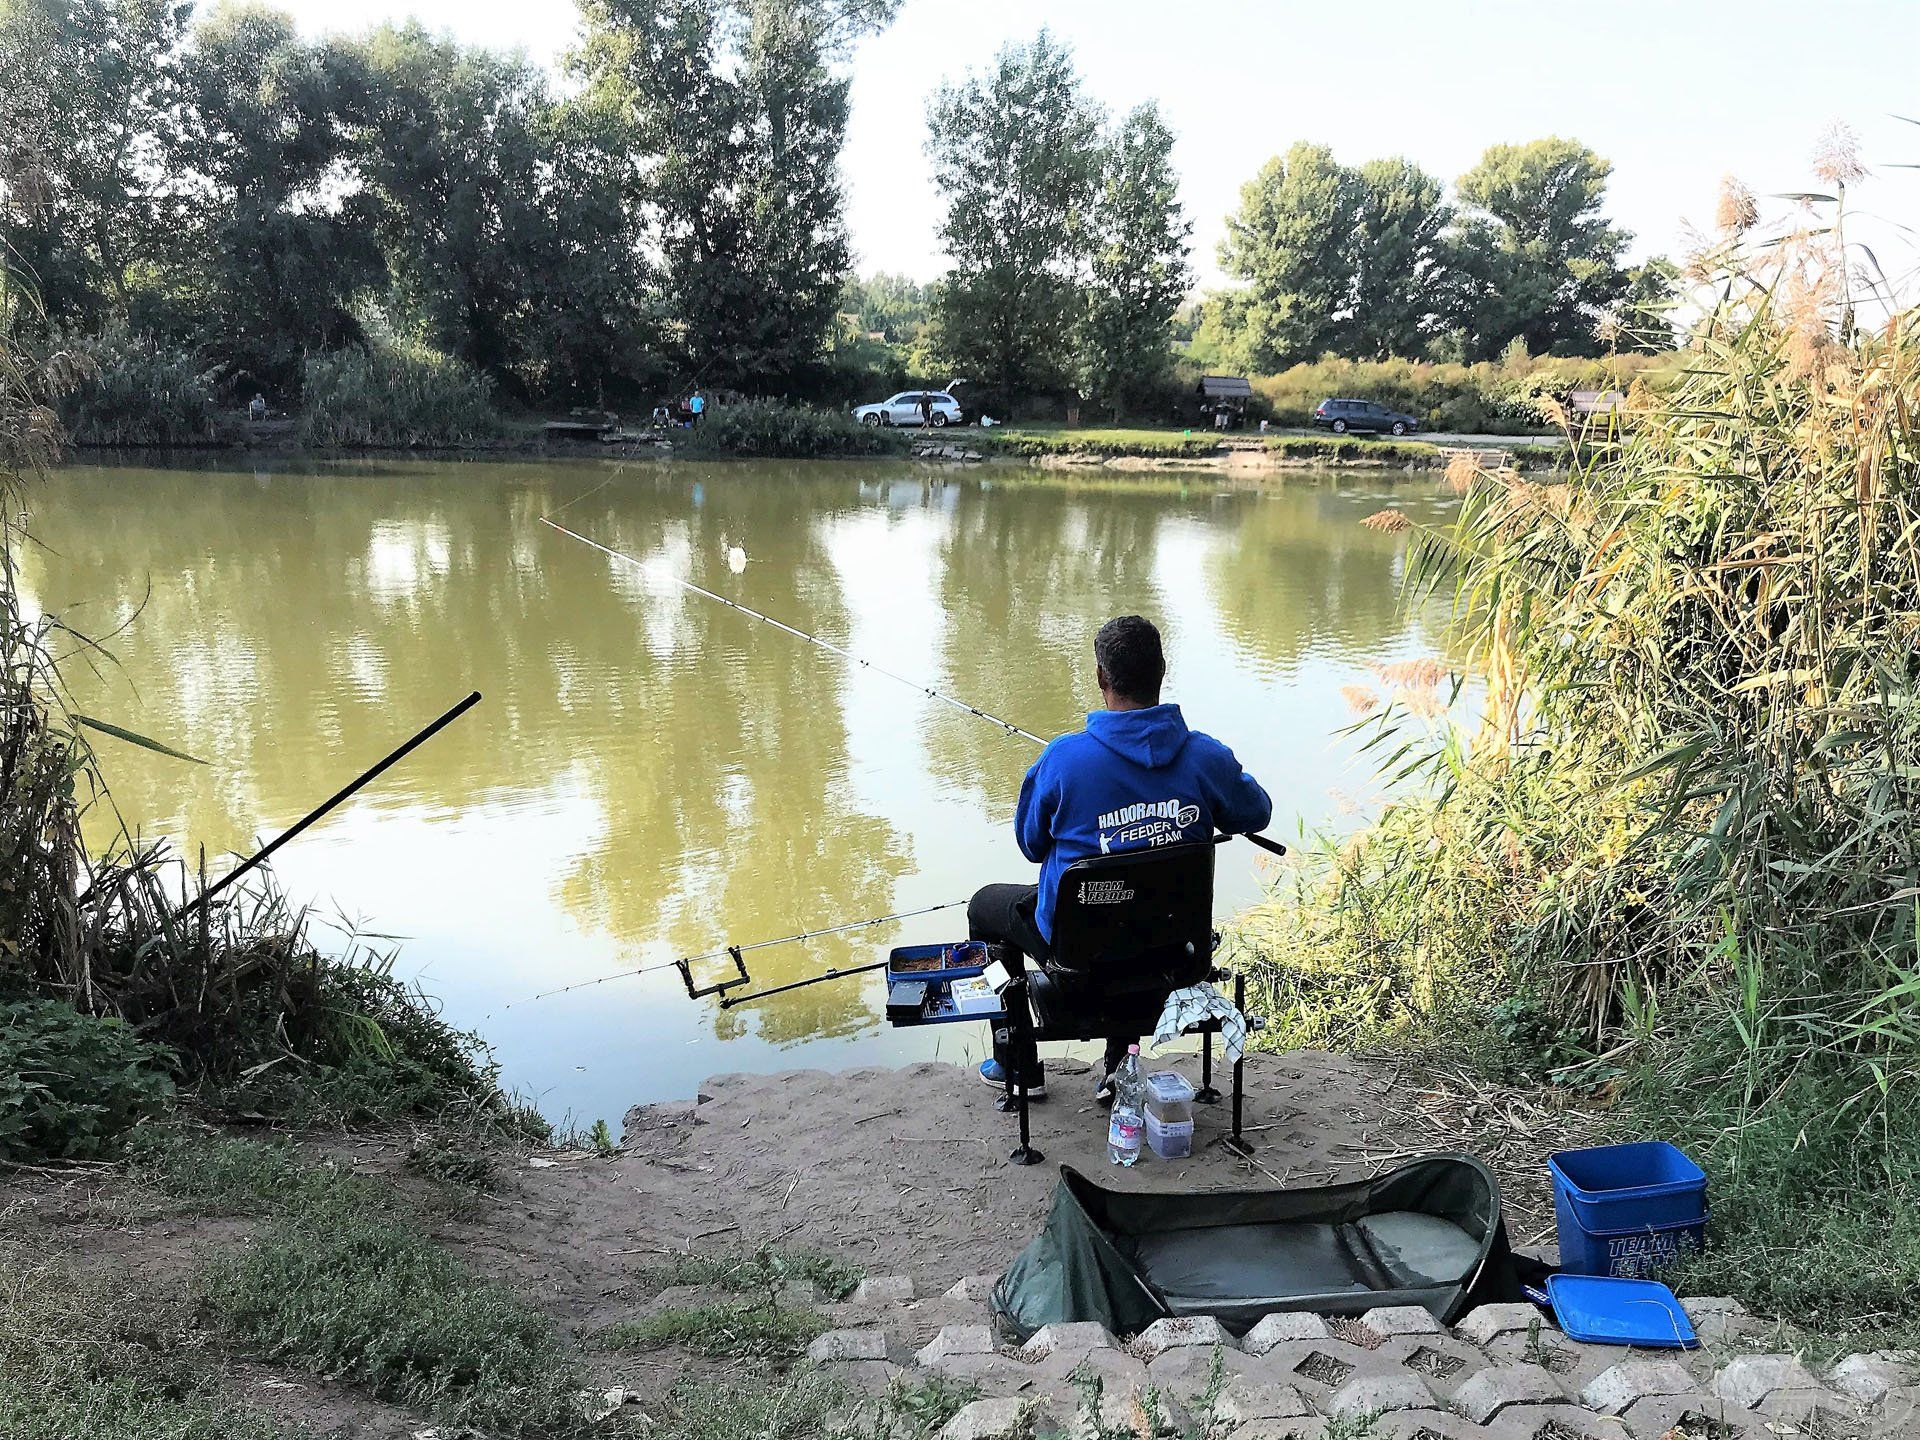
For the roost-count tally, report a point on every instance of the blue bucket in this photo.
(1627, 1210)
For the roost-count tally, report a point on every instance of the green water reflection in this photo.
(650, 773)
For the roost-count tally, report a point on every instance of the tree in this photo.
(85, 107)
(736, 117)
(500, 212)
(273, 266)
(1646, 314)
(1017, 157)
(1533, 256)
(1398, 255)
(1292, 241)
(1139, 269)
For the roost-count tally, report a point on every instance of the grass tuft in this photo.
(725, 1330)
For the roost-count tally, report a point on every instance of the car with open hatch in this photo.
(905, 409)
(1362, 417)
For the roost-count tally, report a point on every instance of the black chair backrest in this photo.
(1138, 919)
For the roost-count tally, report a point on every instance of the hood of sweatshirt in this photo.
(1152, 737)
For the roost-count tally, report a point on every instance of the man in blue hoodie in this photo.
(1136, 776)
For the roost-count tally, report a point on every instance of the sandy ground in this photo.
(904, 1171)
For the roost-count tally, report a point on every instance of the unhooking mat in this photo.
(1429, 1233)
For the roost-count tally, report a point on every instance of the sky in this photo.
(1675, 94)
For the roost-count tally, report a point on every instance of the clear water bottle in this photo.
(1127, 1124)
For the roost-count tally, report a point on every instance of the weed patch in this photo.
(376, 1303)
(71, 1084)
(79, 1364)
(744, 1271)
(722, 1331)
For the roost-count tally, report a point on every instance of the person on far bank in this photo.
(1135, 776)
(698, 405)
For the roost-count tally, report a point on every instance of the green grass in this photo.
(1118, 442)
(724, 1330)
(78, 1362)
(744, 1271)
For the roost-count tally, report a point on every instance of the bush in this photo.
(1686, 821)
(71, 1084)
(395, 396)
(131, 390)
(765, 431)
(1492, 397)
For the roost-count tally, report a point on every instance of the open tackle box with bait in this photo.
(940, 985)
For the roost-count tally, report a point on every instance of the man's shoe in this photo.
(992, 1074)
(1103, 1091)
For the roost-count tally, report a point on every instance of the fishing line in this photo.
(929, 691)
(727, 952)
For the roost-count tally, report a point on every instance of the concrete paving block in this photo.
(1274, 1329)
(975, 1288)
(1875, 1376)
(1390, 1320)
(1899, 1415)
(955, 1340)
(1494, 1389)
(875, 1377)
(1245, 1399)
(1372, 1394)
(1818, 1412)
(989, 1420)
(1187, 1371)
(869, 1343)
(1180, 1331)
(1425, 1425)
(883, 1290)
(991, 1374)
(1079, 1336)
(1752, 1378)
(1442, 1361)
(1557, 1422)
(1487, 1323)
(1614, 1389)
(1287, 1428)
(1112, 1368)
(1320, 1367)
(1131, 1412)
(1697, 1417)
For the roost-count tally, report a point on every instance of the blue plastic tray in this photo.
(1602, 1310)
(943, 971)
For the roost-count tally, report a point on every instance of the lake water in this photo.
(651, 773)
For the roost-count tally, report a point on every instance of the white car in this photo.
(904, 409)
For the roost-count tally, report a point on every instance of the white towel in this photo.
(1192, 1006)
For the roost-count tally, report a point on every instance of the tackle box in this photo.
(955, 960)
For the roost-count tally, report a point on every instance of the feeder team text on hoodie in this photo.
(1131, 779)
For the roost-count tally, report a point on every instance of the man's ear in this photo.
(1101, 679)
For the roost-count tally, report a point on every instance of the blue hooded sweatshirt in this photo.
(1132, 778)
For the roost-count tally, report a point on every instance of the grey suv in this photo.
(1340, 416)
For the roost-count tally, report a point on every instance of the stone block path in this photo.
(1501, 1372)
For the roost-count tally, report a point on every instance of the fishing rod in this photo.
(365, 778)
(727, 1002)
(827, 645)
(686, 963)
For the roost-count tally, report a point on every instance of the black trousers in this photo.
(1004, 915)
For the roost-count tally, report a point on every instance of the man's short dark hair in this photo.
(1128, 650)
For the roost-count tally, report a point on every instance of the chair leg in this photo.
(1020, 1044)
(1206, 1094)
(1237, 1142)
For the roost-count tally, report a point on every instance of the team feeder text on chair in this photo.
(1128, 930)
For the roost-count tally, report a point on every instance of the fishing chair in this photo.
(1128, 930)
